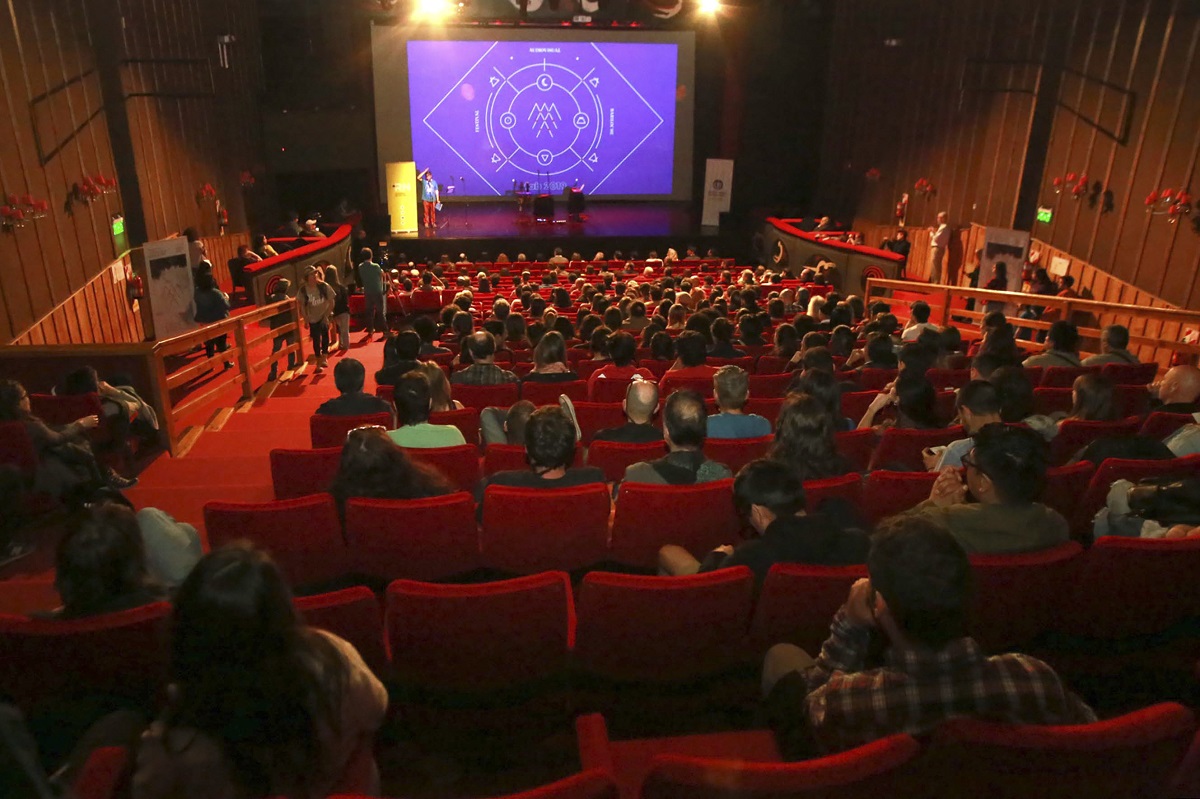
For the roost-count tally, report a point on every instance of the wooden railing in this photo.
(1089, 315)
(180, 403)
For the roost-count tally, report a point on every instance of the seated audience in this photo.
(917, 600)
(259, 704)
(1062, 347)
(1091, 400)
(1005, 473)
(481, 347)
(426, 328)
(731, 390)
(439, 389)
(684, 425)
(978, 405)
(919, 323)
(550, 363)
(500, 426)
(400, 355)
(349, 376)
(640, 405)
(622, 349)
(1114, 347)
(1178, 391)
(373, 467)
(690, 349)
(1000, 342)
(413, 401)
(770, 499)
(722, 335)
(804, 439)
(1016, 401)
(550, 438)
(125, 412)
(915, 402)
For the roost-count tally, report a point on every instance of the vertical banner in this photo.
(170, 287)
(1007, 247)
(402, 196)
(718, 188)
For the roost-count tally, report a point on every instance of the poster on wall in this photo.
(1004, 251)
(718, 189)
(402, 196)
(170, 288)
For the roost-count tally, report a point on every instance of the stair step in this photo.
(241, 443)
(199, 470)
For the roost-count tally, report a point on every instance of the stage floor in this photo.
(499, 220)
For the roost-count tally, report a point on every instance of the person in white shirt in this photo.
(939, 242)
(919, 322)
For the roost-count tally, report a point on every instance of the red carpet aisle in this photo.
(230, 460)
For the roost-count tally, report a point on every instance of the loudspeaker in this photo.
(543, 206)
(575, 202)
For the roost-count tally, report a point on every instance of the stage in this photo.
(495, 227)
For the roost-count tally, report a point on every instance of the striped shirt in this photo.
(918, 688)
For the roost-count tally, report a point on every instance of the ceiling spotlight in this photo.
(387, 5)
(709, 6)
(433, 9)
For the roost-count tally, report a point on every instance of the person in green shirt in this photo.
(370, 275)
(412, 400)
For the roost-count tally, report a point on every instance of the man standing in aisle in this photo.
(939, 243)
(374, 287)
(430, 197)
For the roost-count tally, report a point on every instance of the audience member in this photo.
(426, 328)
(640, 405)
(770, 499)
(722, 335)
(282, 319)
(349, 376)
(439, 389)
(978, 405)
(1092, 400)
(400, 354)
(550, 438)
(731, 390)
(375, 289)
(1114, 343)
(690, 349)
(259, 704)
(316, 300)
(1062, 347)
(1005, 473)
(413, 402)
(920, 321)
(550, 363)
(483, 371)
(622, 349)
(917, 599)
(684, 425)
(915, 402)
(804, 439)
(1016, 401)
(1178, 391)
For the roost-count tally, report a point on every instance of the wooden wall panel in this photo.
(105, 295)
(198, 124)
(1127, 114)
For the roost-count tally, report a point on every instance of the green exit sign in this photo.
(1045, 215)
(118, 226)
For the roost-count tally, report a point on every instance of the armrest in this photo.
(594, 750)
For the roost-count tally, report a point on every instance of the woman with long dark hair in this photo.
(804, 439)
(915, 400)
(374, 467)
(550, 364)
(1092, 399)
(258, 704)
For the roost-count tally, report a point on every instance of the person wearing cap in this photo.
(282, 286)
(310, 230)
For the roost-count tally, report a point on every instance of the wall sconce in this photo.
(1077, 184)
(206, 193)
(20, 211)
(1170, 202)
(925, 186)
(105, 185)
(247, 179)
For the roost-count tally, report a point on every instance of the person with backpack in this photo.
(317, 298)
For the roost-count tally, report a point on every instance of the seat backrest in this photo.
(60, 409)
(770, 365)
(16, 449)
(607, 390)
(304, 535)
(1131, 400)
(353, 614)
(122, 654)
(1016, 596)
(1063, 376)
(102, 774)
(701, 385)
(596, 416)
(745, 363)
(1053, 400)
(509, 457)
(1160, 425)
(1130, 374)
(797, 603)
(1132, 586)
(1065, 485)
(330, 431)
(902, 449)
(766, 407)
(736, 452)
(855, 404)
(856, 446)
(300, 472)
(459, 463)
(1130, 755)
(772, 385)
(480, 397)
(865, 772)
(480, 637)
(847, 487)
(888, 493)
(419, 539)
(1133, 470)
(948, 378)
(875, 379)
(529, 530)
(614, 456)
(547, 393)
(695, 517)
(1074, 435)
(465, 419)
(662, 629)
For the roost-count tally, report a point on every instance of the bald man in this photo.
(640, 405)
(1178, 390)
(685, 423)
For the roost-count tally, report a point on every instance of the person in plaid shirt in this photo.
(483, 370)
(918, 596)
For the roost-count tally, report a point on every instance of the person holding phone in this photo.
(978, 405)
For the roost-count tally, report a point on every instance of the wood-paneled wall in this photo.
(193, 120)
(948, 91)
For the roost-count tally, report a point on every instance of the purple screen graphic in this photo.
(556, 114)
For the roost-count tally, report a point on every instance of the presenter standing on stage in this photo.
(430, 197)
(939, 243)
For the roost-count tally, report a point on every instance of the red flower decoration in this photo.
(1058, 182)
(1167, 194)
(1152, 198)
(1070, 177)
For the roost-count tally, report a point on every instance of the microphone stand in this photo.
(466, 203)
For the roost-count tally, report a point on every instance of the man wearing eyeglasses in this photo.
(917, 599)
(1005, 473)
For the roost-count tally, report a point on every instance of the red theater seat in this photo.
(330, 431)
(353, 614)
(770, 386)
(695, 517)
(766, 407)
(902, 449)
(530, 529)
(848, 487)
(746, 364)
(771, 365)
(102, 774)
(1053, 400)
(857, 447)
(948, 378)
(480, 397)
(855, 404)
(875, 379)
(1113, 469)
(662, 629)
(888, 493)
(1074, 435)
(1160, 425)
(465, 419)
(1131, 755)
(304, 535)
(300, 472)
(1062, 376)
(606, 390)
(736, 452)
(1130, 374)
(420, 539)
(16, 449)
(596, 416)
(511, 457)
(614, 457)
(798, 602)
(547, 393)
(1065, 485)
(459, 464)
(1017, 596)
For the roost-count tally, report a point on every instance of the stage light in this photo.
(433, 9)
(709, 6)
